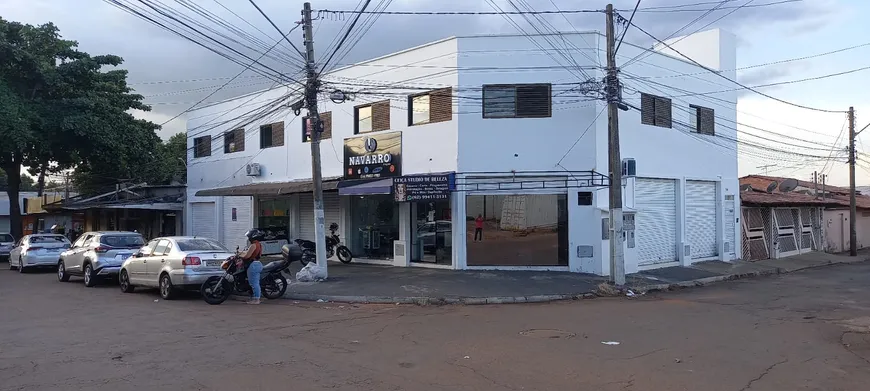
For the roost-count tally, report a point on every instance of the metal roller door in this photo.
(331, 212)
(234, 229)
(701, 224)
(306, 216)
(656, 220)
(331, 209)
(203, 222)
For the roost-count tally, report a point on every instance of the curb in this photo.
(425, 301)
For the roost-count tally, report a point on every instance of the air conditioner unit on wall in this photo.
(252, 169)
(629, 167)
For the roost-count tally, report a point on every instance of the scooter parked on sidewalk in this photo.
(333, 247)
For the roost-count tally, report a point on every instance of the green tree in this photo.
(63, 108)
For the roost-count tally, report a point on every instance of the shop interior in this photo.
(374, 226)
(432, 232)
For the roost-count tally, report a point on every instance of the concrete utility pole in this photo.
(311, 87)
(853, 235)
(816, 184)
(617, 252)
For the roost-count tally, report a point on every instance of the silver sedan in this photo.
(172, 264)
(37, 250)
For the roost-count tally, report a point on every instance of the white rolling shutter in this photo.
(701, 219)
(306, 216)
(234, 231)
(331, 209)
(203, 221)
(656, 220)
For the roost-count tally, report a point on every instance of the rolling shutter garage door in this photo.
(656, 220)
(701, 219)
(234, 231)
(306, 216)
(331, 213)
(203, 222)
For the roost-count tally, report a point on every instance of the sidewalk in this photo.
(359, 283)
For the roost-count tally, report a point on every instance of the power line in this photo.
(346, 33)
(624, 33)
(680, 8)
(284, 36)
(734, 81)
(549, 12)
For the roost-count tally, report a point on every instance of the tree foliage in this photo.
(63, 108)
(27, 183)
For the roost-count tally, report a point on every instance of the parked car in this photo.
(172, 264)
(97, 255)
(37, 250)
(7, 242)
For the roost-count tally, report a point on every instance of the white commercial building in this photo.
(505, 133)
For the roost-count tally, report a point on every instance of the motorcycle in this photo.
(333, 247)
(217, 289)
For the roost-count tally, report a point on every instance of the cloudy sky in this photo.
(159, 61)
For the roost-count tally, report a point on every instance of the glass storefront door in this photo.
(433, 232)
(374, 226)
(274, 219)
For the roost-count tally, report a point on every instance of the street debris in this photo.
(321, 301)
(631, 293)
(311, 273)
(610, 342)
(677, 360)
(467, 357)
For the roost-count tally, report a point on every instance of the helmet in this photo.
(292, 252)
(333, 227)
(255, 234)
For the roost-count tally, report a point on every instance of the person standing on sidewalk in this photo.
(251, 258)
(478, 228)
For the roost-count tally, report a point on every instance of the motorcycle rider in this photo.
(251, 258)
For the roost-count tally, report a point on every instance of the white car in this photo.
(7, 242)
(37, 250)
(172, 264)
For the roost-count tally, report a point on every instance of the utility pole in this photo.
(617, 252)
(765, 167)
(311, 87)
(816, 184)
(824, 177)
(853, 235)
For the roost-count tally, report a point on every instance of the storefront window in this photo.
(433, 230)
(517, 230)
(274, 219)
(374, 226)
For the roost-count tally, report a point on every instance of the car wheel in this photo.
(90, 276)
(62, 276)
(167, 291)
(20, 266)
(124, 282)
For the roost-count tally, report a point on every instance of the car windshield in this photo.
(123, 241)
(6, 238)
(200, 244)
(48, 239)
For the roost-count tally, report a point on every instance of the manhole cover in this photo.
(547, 333)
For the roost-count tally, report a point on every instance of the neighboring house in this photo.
(151, 210)
(5, 222)
(491, 126)
(809, 217)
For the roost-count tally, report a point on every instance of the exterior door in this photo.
(730, 216)
(787, 222)
(306, 216)
(136, 267)
(238, 219)
(203, 222)
(656, 220)
(73, 262)
(155, 262)
(701, 219)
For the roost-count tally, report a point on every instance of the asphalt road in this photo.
(804, 331)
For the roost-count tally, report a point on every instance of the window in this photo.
(272, 135)
(234, 141)
(162, 248)
(148, 249)
(6, 238)
(123, 241)
(430, 107)
(517, 101)
(326, 118)
(702, 120)
(202, 146)
(655, 110)
(373, 117)
(200, 244)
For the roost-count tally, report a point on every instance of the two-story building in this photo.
(484, 152)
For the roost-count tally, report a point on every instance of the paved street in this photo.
(802, 331)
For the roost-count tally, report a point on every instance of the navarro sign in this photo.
(373, 156)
